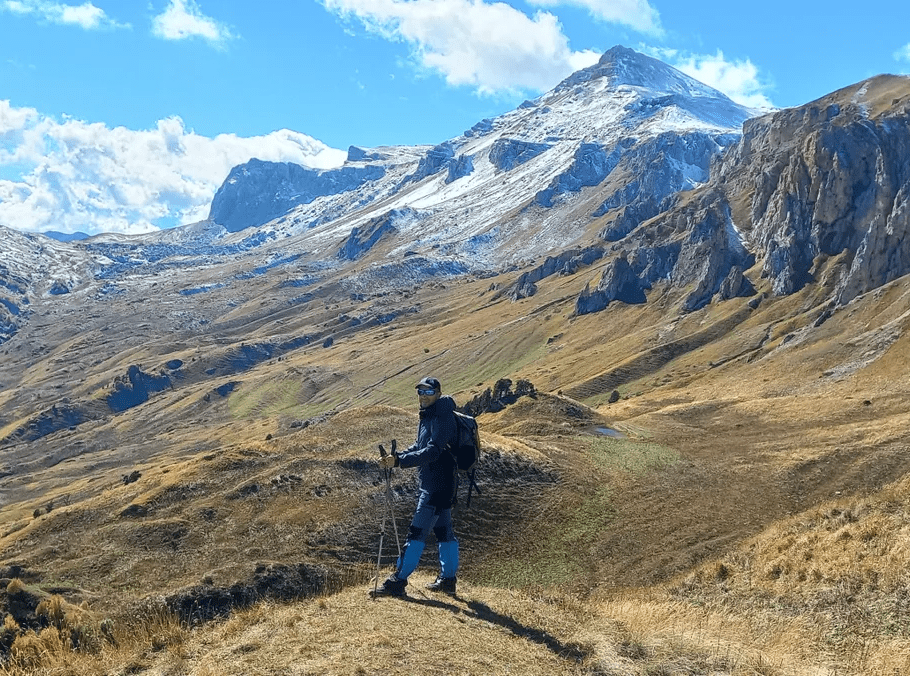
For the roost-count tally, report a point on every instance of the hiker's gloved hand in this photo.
(388, 462)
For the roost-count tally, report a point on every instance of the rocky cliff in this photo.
(824, 179)
(831, 178)
(259, 191)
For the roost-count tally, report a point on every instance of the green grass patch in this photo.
(559, 557)
(629, 456)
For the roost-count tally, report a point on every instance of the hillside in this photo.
(723, 450)
(709, 477)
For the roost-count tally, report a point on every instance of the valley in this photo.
(708, 477)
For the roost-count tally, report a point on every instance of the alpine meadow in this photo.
(681, 325)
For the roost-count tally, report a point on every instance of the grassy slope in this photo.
(753, 521)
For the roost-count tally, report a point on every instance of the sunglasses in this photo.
(426, 391)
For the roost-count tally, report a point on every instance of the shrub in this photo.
(54, 610)
(26, 653)
(10, 624)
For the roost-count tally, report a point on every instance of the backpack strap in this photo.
(472, 486)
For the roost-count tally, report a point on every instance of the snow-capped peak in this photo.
(622, 66)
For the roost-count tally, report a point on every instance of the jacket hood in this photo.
(444, 405)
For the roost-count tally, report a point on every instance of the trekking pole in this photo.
(385, 513)
(388, 494)
(388, 508)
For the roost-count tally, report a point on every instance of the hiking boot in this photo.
(391, 587)
(446, 585)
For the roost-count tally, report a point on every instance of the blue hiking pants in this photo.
(428, 518)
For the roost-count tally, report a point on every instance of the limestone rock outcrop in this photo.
(828, 178)
(506, 154)
(657, 169)
(364, 237)
(831, 178)
(259, 191)
(565, 263)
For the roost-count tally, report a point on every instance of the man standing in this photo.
(431, 453)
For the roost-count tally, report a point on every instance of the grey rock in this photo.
(135, 388)
(360, 154)
(827, 179)
(658, 169)
(434, 161)
(590, 167)
(506, 153)
(482, 128)
(565, 263)
(257, 192)
(460, 167)
(364, 237)
(619, 282)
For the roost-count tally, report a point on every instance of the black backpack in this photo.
(466, 451)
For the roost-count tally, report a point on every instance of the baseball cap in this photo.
(429, 382)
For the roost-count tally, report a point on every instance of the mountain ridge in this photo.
(190, 418)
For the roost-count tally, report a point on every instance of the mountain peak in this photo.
(621, 66)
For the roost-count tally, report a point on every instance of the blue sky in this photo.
(123, 115)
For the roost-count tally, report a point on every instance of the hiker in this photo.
(431, 453)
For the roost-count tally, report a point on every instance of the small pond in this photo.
(607, 431)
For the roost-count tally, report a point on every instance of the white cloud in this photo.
(86, 15)
(636, 14)
(88, 177)
(13, 119)
(903, 53)
(739, 79)
(183, 19)
(490, 46)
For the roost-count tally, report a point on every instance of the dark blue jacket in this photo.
(431, 453)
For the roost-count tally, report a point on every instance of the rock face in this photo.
(698, 251)
(657, 169)
(259, 191)
(364, 237)
(506, 154)
(591, 166)
(134, 389)
(565, 263)
(619, 282)
(831, 178)
(499, 397)
(13, 298)
(460, 167)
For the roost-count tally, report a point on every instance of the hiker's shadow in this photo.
(480, 611)
(435, 603)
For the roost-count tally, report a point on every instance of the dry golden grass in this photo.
(751, 522)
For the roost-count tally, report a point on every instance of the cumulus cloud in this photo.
(490, 46)
(13, 119)
(903, 53)
(738, 79)
(86, 15)
(636, 14)
(92, 178)
(183, 19)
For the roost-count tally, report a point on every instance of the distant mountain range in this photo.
(629, 162)
(66, 236)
